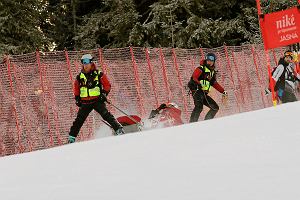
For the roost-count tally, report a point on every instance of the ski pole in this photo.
(114, 132)
(106, 123)
(123, 112)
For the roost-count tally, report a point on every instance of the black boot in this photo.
(120, 131)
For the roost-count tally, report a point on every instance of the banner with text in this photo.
(281, 28)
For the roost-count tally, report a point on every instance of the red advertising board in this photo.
(281, 28)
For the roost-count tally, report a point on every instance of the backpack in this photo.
(280, 81)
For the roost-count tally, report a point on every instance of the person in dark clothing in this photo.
(284, 78)
(91, 88)
(200, 84)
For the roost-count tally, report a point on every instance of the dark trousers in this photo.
(85, 110)
(288, 94)
(200, 99)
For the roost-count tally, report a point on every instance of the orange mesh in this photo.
(38, 107)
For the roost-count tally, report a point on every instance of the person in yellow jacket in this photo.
(91, 88)
(200, 84)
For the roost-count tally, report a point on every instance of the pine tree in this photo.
(20, 22)
(108, 26)
(84, 24)
(191, 24)
(269, 6)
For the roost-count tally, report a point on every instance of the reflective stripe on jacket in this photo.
(89, 88)
(205, 78)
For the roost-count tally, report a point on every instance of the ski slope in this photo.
(248, 156)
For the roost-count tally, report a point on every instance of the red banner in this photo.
(280, 28)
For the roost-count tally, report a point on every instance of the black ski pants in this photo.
(288, 94)
(85, 110)
(201, 98)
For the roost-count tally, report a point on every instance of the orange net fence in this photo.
(37, 102)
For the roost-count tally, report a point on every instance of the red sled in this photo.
(130, 123)
(166, 115)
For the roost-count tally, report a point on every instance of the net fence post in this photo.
(8, 64)
(137, 82)
(180, 83)
(151, 76)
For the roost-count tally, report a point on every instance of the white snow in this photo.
(248, 156)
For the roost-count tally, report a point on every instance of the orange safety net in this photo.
(38, 107)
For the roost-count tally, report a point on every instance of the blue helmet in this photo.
(211, 56)
(86, 59)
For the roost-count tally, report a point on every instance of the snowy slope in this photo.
(248, 156)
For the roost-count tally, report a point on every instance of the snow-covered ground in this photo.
(249, 156)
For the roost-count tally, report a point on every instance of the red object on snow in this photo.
(167, 115)
(125, 120)
(171, 116)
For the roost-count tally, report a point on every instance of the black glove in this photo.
(162, 106)
(153, 113)
(103, 97)
(267, 91)
(78, 101)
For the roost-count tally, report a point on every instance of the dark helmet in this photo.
(211, 56)
(289, 53)
(86, 59)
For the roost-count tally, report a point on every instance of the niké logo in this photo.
(285, 22)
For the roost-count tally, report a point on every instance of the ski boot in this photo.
(120, 131)
(71, 139)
